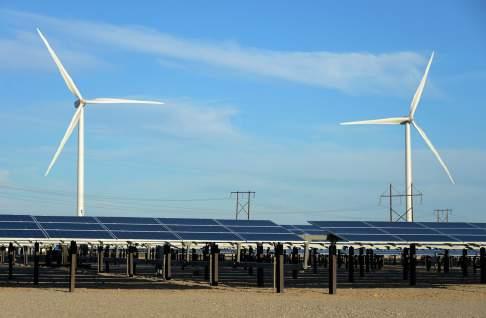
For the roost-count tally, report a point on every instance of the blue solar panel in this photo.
(258, 229)
(79, 234)
(135, 227)
(18, 225)
(370, 238)
(72, 226)
(21, 233)
(69, 219)
(246, 222)
(126, 220)
(435, 225)
(200, 228)
(15, 217)
(179, 221)
(339, 223)
(426, 238)
(395, 224)
(150, 236)
(226, 237)
(469, 231)
(411, 230)
(262, 237)
(481, 225)
(471, 238)
(355, 230)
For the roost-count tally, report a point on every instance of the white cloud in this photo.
(24, 50)
(350, 72)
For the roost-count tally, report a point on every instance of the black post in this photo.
(100, 258)
(167, 275)
(367, 260)
(351, 264)
(279, 269)
(361, 262)
(464, 262)
(206, 260)
(314, 260)
(36, 263)
(259, 260)
(405, 263)
(130, 261)
(427, 263)
(332, 268)
(214, 262)
(11, 255)
(295, 261)
(482, 264)
(446, 261)
(413, 265)
(107, 258)
(73, 253)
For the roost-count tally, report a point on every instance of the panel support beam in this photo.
(332, 269)
(73, 253)
(413, 265)
(36, 263)
(351, 264)
(278, 269)
(214, 265)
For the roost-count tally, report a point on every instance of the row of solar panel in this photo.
(359, 231)
(150, 229)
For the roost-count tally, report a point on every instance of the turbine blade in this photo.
(68, 133)
(420, 89)
(384, 121)
(120, 101)
(434, 151)
(67, 79)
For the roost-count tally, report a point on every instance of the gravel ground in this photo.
(190, 301)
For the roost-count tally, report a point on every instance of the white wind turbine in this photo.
(407, 121)
(78, 119)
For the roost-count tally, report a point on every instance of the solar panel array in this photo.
(305, 229)
(401, 232)
(105, 228)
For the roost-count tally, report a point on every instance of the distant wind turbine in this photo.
(407, 121)
(78, 119)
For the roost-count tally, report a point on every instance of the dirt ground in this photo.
(201, 301)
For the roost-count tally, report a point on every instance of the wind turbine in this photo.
(78, 119)
(407, 122)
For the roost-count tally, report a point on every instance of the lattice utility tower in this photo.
(243, 202)
(391, 194)
(442, 215)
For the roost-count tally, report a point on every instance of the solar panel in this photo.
(221, 237)
(135, 227)
(180, 221)
(258, 229)
(471, 231)
(150, 236)
(410, 230)
(354, 230)
(21, 233)
(72, 226)
(15, 217)
(339, 223)
(370, 238)
(435, 225)
(246, 222)
(126, 220)
(471, 238)
(19, 225)
(67, 219)
(381, 224)
(262, 237)
(199, 228)
(426, 238)
(70, 234)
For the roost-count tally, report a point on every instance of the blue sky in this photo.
(254, 93)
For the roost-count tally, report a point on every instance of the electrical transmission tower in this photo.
(442, 215)
(390, 194)
(243, 202)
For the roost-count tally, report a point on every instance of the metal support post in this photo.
(214, 265)
(413, 265)
(259, 259)
(482, 264)
(361, 262)
(73, 255)
(167, 262)
(405, 265)
(351, 264)
(279, 269)
(332, 268)
(464, 263)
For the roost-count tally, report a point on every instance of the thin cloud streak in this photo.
(348, 72)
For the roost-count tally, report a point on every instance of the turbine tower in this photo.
(78, 119)
(409, 121)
